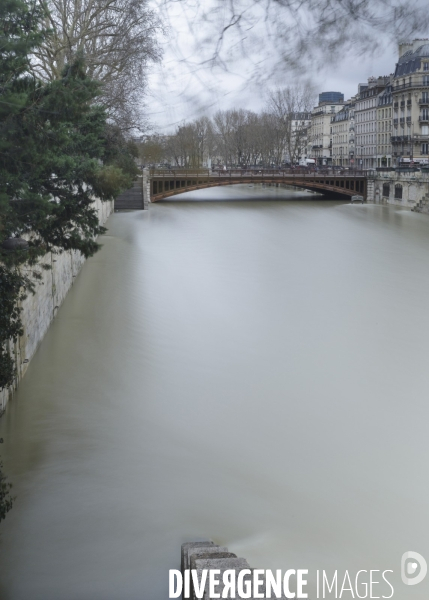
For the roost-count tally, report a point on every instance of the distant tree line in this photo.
(239, 136)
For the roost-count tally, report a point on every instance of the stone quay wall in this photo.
(400, 189)
(39, 309)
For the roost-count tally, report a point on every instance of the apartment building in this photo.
(366, 112)
(343, 135)
(298, 143)
(384, 127)
(320, 131)
(410, 91)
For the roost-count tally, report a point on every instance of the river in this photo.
(252, 368)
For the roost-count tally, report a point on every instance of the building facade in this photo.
(343, 135)
(297, 147)
(366, 114)
(410, 133)
(384, 127)
(320, 131)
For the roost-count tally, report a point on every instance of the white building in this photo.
(320, 132)
(384, 128)
(343, 135)
(298, 143)
(410, 134)
(366, 121)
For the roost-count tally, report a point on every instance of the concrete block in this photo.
(202, 555)
(206, 550)
(223, 564)
(184, 551)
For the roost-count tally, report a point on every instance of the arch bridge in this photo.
(170, 182)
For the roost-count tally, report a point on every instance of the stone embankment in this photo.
(423, 205)
(401, 189)
(39, 309)
(207, 555)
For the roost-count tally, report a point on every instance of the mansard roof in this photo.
(410, 61)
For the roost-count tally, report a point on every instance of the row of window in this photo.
(385, 113)
(366, 116)
(385, 126)
(398, 190)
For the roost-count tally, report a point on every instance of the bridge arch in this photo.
(164, 184)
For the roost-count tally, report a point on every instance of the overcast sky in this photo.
(186, 85)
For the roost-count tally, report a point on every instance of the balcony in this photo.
(409, 102)
(395, 122)
(402, 103)
(408, 120)
(417, 82)
(395, 105)
(402, 121)
(401, 86)
(424, 119)
(424, 101)
(397, 139)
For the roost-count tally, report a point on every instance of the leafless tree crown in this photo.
(118, 40)
(302, 32)
(243, 137)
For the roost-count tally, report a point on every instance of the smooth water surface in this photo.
(254, 371)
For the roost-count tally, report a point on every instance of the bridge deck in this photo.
(169, 183)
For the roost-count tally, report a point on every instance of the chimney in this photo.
(404, 47)
(419, 42)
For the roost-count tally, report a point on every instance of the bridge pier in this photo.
(370, 191)
(146, 189)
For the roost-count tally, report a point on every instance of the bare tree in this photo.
(191, 145)
(238, 134)
(118, 40)
(290, 106)
(151, 150)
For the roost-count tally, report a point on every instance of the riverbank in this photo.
(39, 309)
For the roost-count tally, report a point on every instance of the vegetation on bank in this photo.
(58, 150)
(6, 500)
